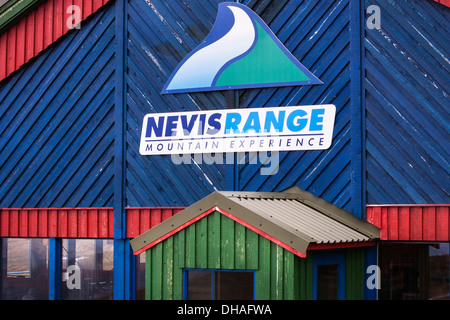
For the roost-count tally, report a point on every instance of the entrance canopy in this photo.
(294, 219)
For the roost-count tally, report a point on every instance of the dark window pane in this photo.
(399, 265)
(438, 274)
(327, 282)
(25, 269)
(199, 285)
(414, 271)
(219, 285)
(234, 285)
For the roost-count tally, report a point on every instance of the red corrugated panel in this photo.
(78, 222)
(140, 220)
(37, 30)
(411, 222)
(58, 222)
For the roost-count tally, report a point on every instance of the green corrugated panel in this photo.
(217, 242)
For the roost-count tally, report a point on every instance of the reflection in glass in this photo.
(94, 262)
(24, 274)
(220, 285)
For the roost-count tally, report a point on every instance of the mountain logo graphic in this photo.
(240, 52)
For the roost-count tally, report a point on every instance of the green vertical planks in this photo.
(214, 241)
(303, 278)
(354, 276)
(179, 260)
(239, 250)
(218, 242)
(201, 244)
(276, 272)
(262, 286)
(288, 275)
(148, 277)
(227, 243)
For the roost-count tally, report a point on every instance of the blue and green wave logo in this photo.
(240, 52)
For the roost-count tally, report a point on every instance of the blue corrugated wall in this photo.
(70, 120)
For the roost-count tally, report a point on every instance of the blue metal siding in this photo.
(407, 87)
(56, 123)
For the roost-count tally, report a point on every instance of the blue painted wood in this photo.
(120, 120)
(54, 269)
(370, 259)
(318, 34)
(56, 123)
(160, 34)
(358, 186)
(71, 119)
(407, 89)
(338, 258)
(122, 284)
(129, 272)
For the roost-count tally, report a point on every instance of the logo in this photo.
(240, 52)
(239, 130)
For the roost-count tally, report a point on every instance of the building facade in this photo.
(78, 78)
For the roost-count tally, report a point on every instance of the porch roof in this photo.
(294, 219)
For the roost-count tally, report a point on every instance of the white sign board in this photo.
(238, 130)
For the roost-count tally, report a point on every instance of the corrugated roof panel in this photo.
(293, 219)
(307, 220)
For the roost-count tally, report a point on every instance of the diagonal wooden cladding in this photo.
(160, 34)
(56, 123)
(407, 93)
(317, 33)
(57, 113)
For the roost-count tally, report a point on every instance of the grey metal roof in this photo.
(293, 217)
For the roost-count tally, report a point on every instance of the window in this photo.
(218, 285)
(93, 260)
(414, 271)
(25, 269)
(327, 282)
